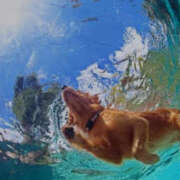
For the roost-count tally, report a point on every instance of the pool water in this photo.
(127, 51)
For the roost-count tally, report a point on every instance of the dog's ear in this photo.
(95, 99)
(109, 105)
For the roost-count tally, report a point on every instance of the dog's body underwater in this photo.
(114, 135)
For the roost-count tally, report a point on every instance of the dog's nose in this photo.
(69, 132)
(64, 87)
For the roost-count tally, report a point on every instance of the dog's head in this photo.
(82, 108)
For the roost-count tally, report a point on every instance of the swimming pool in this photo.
(126, 51)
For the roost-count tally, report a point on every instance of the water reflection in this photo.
(150, 80)
(33, 105)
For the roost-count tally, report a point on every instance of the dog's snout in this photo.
(64, 87)
(69, 132)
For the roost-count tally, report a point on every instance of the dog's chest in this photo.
(114, 119)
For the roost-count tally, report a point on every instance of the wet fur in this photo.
(117, 134)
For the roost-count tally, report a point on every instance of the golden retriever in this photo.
(114, 135)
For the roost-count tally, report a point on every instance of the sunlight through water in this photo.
(13, 13)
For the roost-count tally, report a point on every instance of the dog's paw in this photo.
(151, 159)
(147, 158)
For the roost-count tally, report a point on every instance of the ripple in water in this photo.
(40, 112)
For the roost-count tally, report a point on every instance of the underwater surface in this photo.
(127, 51)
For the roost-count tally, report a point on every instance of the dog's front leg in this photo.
(140, 142)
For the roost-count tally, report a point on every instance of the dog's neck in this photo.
(90, 123)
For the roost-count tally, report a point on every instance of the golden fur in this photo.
(117, 134)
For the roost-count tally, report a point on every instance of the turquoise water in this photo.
(157, 69)
(82, 166)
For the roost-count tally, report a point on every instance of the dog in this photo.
(116, 135)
